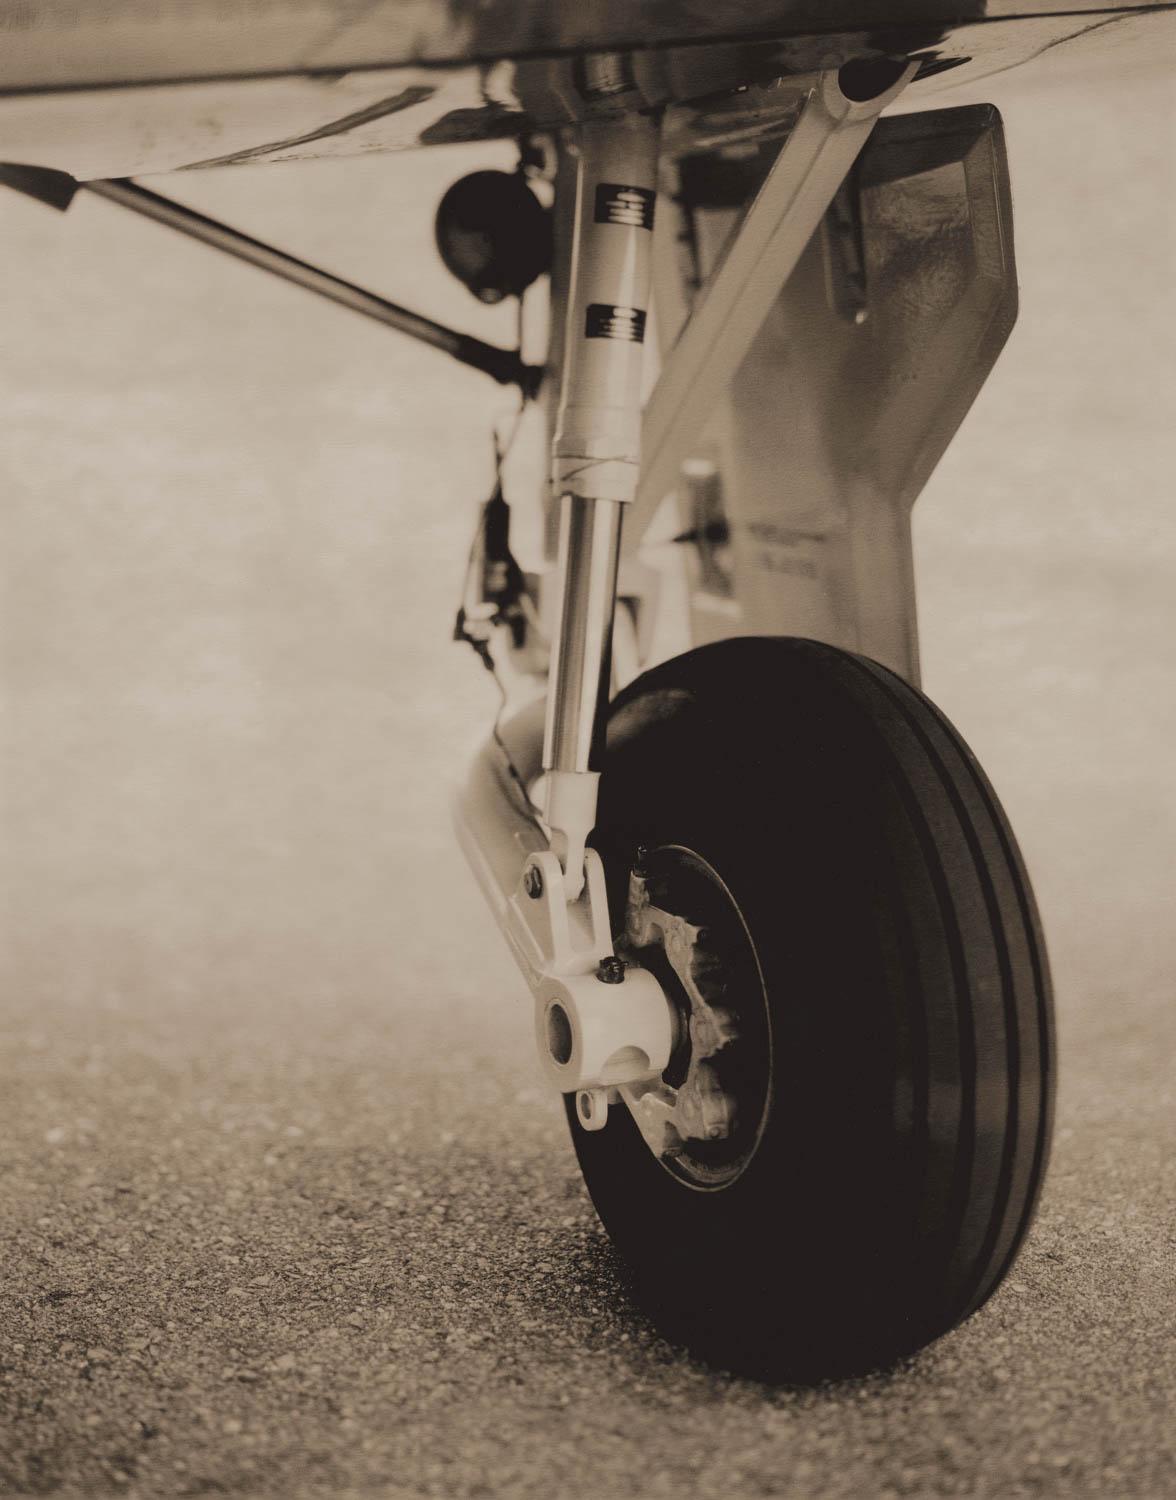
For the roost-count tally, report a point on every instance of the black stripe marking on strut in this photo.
(605, 322)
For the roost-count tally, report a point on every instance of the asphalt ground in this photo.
(284, 1208)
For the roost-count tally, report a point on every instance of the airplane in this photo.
(785, 961)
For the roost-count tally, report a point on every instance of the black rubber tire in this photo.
(909, 1007)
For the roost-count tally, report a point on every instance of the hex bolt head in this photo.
(611, 970)
(533, 882)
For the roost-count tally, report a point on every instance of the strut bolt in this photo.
(611, 970)
(533, 882)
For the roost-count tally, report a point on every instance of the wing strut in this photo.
(58, 190)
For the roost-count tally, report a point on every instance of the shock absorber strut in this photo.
(595, 458)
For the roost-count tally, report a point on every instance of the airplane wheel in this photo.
(865, 938)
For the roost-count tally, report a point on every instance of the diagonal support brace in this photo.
(57, 189)
(813, 162)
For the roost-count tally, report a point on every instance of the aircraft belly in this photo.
(149, 86)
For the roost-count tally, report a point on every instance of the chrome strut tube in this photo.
(595, 457)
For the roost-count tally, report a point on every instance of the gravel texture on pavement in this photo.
(284, 1209)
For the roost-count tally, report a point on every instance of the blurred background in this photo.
(245, 971)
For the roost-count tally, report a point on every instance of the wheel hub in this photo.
(703, 1116)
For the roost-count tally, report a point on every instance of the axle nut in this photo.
(611, 970)
(533, 882)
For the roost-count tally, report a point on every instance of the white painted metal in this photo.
(597, 447)
(593, 1035)
(615, 1033)
(496, 825)
(558, 936)
(592, 1108)
(811, 166)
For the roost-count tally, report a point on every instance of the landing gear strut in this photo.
(786, 966)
